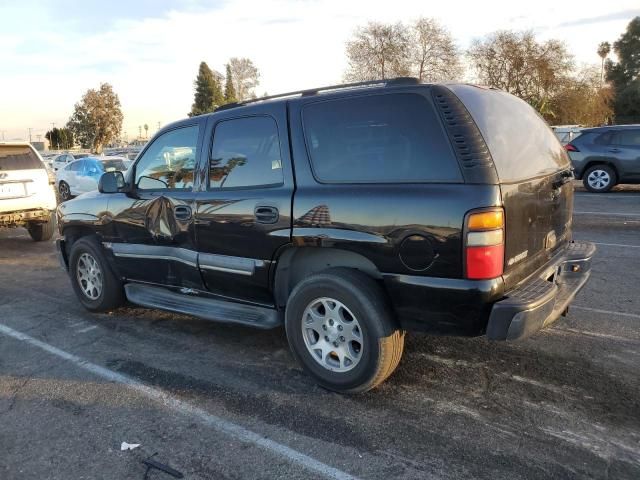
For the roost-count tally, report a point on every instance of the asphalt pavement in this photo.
(223, 402)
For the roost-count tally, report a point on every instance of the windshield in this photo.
(116, 164)
(18, 157)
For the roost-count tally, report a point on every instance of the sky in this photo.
(52, 51)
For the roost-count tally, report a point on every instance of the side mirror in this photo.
(111, 182)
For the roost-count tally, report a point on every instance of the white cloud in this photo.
(295, 43)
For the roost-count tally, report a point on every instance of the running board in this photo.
(205, 308)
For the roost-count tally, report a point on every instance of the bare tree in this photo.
(246, 77)
(517, 63)
(581, 100)
(378, 51)
(433, 53)
(603, 50)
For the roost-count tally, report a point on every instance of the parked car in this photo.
(346, 214)
(61, 161)
(27, 198)
(81, 176)
(566, 133)
(606, 156)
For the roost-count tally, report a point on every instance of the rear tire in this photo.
(95, 284)
(350, 309)
(43, 231)
(599, 178)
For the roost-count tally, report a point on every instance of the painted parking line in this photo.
(88, 329)
(616, 245)
(606, 312)
(600, 195)
(224, 426)
(612, 214)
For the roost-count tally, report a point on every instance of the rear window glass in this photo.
(628, 137)
(521, 143)
(118, 165)
(18, 157)
(378, 139)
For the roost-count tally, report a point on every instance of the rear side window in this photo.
(378, 139)
(18, 157)
(521, 143)
(629, 138)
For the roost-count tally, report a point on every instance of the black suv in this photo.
(349, 214)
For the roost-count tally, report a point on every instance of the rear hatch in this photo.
(534, 173)
(22, 175)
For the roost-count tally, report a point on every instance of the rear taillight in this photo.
(569, 147)
(484, 244)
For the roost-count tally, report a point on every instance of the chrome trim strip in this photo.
(156, 252)
(226, 263)
(157, 257)
(205, 261)
(228, 270)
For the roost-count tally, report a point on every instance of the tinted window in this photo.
(18, 157)
(92, 168)
(170, 161)
(628, 137)
(245, 153)
(605, 138)
(76, 166)
(378, 139)
(521, 143)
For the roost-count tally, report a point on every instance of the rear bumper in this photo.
(22, 217)
(539, 301)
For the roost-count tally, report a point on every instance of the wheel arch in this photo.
(296, 263)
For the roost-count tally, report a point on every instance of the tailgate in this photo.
(534, 174)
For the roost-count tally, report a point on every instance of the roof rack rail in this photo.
(389, 82)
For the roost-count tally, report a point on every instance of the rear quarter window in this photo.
(520, 141)
(18, 157)
(390, 138)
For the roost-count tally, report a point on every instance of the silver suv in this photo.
(27, 197)
(605, 156)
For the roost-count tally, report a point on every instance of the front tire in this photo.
(599, 178)
(341, 330)
(95, 284)
(64, 190)
(43, 231)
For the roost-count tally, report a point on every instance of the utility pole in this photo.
(30, 134)
(53, 126)
(2, 131)
(158, 125)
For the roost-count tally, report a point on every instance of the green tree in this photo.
(97, 118)
(60, 138)
(624, 75)
(229, 89)
(208, 93)
(603, 50)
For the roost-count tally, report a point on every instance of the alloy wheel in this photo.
(332, 334)
(89, 276)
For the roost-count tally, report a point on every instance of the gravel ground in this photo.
(221, 402)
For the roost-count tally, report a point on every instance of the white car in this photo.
(82, 176)
(27, 197)
(61, 161)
